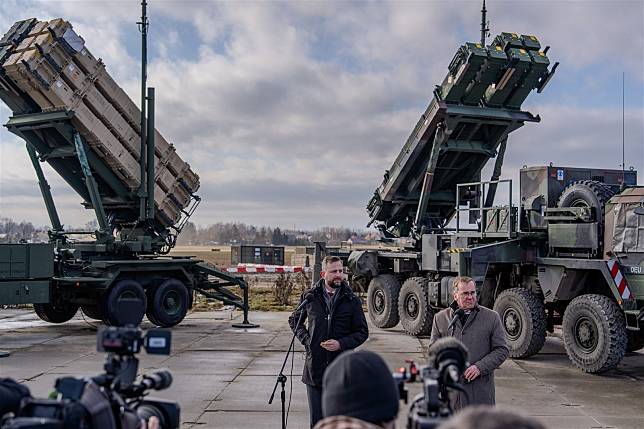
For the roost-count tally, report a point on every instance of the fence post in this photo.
(318, 255)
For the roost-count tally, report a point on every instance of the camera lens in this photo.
(146, 411)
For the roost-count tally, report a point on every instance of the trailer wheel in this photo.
(416, 315)
(56, 312)
(594, 332)
(523, 317)
(168, 303)
(382, 300)
(124, 289)
(635, 340)
(93, 311)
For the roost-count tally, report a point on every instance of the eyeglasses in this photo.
(472, 293)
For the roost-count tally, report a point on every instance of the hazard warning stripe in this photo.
(242, 269)
(618, 279)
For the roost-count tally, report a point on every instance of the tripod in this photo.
(281, 378)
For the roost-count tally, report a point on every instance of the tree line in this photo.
(222, 233)
(240, 233)
(11, 231)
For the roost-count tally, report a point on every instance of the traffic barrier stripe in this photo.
(260, 269)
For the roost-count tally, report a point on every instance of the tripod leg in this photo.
(283, 407)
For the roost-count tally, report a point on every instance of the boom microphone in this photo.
(449, 356)
(157, 380)
(11, 393)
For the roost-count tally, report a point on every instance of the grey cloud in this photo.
(282, 203)
(281, 132)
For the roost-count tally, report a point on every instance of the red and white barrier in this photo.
(270, 269)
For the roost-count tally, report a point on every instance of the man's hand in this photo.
(330, 345)
(471, 372)
(153, 423)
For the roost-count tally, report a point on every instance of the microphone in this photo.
(449, 356)
(157, 380)
(307, 298)
(457, 314)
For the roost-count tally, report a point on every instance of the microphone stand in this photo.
(281, 378)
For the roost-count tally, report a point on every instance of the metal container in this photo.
(257, 254)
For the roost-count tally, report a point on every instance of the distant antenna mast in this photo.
(143, 28)
(623, 137)
(485, 25)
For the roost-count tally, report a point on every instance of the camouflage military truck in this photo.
(571, 253)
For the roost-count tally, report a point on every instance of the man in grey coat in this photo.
(480, 329)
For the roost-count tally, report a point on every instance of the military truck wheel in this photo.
(416, 315)
(168, 303)
(382, 300)
(123, 289)
(56, 312)
(523, 317)
(594, 332)
(93, 312)
(635, 340)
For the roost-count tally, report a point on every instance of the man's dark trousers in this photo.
(314, 393)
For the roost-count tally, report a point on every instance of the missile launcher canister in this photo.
(46, 67)
(466, 124)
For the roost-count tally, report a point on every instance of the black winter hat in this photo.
(359, 384)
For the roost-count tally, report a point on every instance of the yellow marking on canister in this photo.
(456, 250)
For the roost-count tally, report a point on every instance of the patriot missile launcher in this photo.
(570, 253)
(75, 117)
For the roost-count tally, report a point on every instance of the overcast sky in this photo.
(291, 111)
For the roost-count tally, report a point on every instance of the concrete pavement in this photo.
(223, 377)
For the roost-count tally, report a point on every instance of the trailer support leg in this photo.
(92, 187)
(442, 134)
(245, 324)
(496, 174)
(45, 190)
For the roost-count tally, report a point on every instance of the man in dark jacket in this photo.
(480, 329)
(336, 323)
(359, 393)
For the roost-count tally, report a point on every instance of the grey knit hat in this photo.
(359, 384)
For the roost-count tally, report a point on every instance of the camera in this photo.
(114, 399)
(440, 377)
